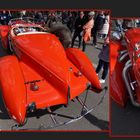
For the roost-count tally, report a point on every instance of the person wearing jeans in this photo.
(103, 61)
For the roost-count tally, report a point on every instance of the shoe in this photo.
(102, 81)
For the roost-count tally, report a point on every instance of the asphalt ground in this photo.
(96, 120)
(125, 121)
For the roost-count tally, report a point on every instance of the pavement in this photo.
(96, 120)
(125, 121)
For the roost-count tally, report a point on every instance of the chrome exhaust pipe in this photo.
(128, 62)
(124, 75)
(122, 52)
(121, 58)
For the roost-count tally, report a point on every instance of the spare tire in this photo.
(63, 33)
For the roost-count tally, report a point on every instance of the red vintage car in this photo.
(40, 73)
(125, 67)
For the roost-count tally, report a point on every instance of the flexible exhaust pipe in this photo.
(123, 57)
(124, 75)
(128, 62)
(122, 52)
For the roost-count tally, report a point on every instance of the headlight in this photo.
(117, 35)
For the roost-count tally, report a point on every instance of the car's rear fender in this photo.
(82, 62)
(13, 88)
(118, 90)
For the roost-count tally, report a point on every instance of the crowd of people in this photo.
(83, 25)
(125, 24)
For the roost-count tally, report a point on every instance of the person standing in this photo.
(105, 29)
(103, 60)
(98, 25)
(71, 21)
(4, 18)
(80, 21)
(87, 29)
(118, 24)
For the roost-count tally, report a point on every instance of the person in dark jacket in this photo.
(79, 23)
(103, 60)
(98, 25)
(4, 18)
(71, 21)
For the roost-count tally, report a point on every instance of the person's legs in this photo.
(94, 37)
(100, 65)
(84, 46)
(80, 39)
(105, 70)
(73, 39)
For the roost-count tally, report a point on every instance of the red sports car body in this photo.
(40, 73)
(125, 68)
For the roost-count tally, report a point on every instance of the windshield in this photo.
(27, 29)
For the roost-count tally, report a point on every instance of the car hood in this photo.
(47, 51)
